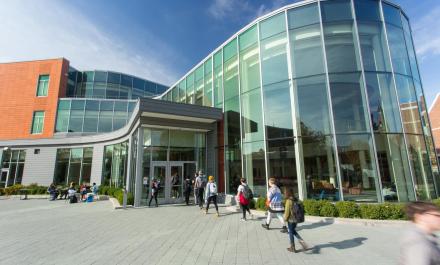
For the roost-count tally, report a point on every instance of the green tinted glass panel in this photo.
(249, 69)
(230, 50)
(230, 79)
(248, 38)
(38, 122)
(218, 59)
(252, 120)
(303, 16)
(208, 66)
(272, 26)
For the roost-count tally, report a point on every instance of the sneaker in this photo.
(265, 226)
(283, 229)
(242, 219)
(218, 215)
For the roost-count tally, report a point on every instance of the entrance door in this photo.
(158, 173)
(3, 177)
(176, 183)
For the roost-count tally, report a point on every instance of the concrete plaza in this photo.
(41, 232)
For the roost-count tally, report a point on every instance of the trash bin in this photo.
(89, 197)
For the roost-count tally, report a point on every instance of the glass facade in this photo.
(73, 165)
(110, 85)
(12, 166)
(92, 115)
(114, 170)
(326, 97)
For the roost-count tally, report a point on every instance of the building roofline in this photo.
(37, 60)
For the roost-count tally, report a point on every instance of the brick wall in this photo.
(18, 100)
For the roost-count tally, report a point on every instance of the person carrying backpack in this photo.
(244, 195)
(155, 186)
(275, 206)
(293, 215)
(211, 194)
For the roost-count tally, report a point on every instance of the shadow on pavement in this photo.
(327, 221)
(344, 244)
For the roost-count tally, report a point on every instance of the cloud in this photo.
(241, 9)
(30, 30)
(427, 34)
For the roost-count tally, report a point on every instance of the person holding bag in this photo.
(275, 206)
(244, 195)
(211, 194)
(293, 215)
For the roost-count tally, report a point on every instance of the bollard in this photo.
(124, 198)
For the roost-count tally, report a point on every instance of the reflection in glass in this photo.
(252, 120)
(230, 80)
(336, 10)
(319, 167)
(374, 47)
(274, 59)
(254, 167)
(348, 103)
(391, 14)
(342, 53)
(358, 169)
(232, 122)
(408, 105)
(282, 164)
(249, 69)
(368, 10)
(218, 80)
(384, 107)
(410, 48)
(63, 114)
(399, 54)
(76, 116)
(303, 16)
(394, 168)
(277, 110)
(91, 116)
(312, 105)
(272, 26)
(232, 168)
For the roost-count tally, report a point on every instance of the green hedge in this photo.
(261, 204)
(34, 189)
(437, 202)
(116, 193)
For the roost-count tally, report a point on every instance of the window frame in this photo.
(38, 86)
(33, 121)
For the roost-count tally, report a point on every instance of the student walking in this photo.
(419, 244)
(211, 194)
(154, 192)
(199, 188)
(293, 214)
(274, 202)
(244, 195)
(187, 190)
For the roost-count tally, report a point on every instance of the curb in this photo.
(117, 205)
(335, 220)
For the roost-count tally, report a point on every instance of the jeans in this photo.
(200, 192)
(245, 208)
(214, 200)
(291, 227)
(278, 215)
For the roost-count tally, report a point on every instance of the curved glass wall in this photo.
(110, 85)
(73, 165)
(326, 97)
(92, 115)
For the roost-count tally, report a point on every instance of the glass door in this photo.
(4, 177)
(175, 182)
(158, 174)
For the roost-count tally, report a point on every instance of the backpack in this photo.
(73, 199)
(247, 193)
(212, 188)
(298, 212)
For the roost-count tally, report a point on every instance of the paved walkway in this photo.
(43, 232)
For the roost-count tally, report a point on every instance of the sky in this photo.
(163, 40)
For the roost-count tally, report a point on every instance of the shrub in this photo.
(312, 207)
(252, 204)
(13, 190)
(386, 211)
(437, 202)
(347, 209)
(261, 204)
(103, 190)
(119, 195)
(370, 211)
(328, 209)
(2, 191)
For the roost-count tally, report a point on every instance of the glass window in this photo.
(419, 161)
(249, 69)
(348, 102)
(312, 104)
(43, 85)
(112, 91)
(182, 91)
(114, 78)
(394, 168)
(126, 81)
(254, 167)
(76, 116)
(252, 120)
(399, 55)
(408, 105)
(100, 76)
(91, 116)
(367, 10)
(218, 80)
(342, 53)
(319, 168)
(336, 10)
(230, 81)
(63, 114)
(61, 166)
(87, 76)
(124, 92)
(374, 47)
(99, 90)
(138, 83)
(358, 169)
(391, 15)
(272, 26)
(274, 65)
(410, 48)
(384, 107)
(277, 110)
(199, 85)
(105, 116)
(182, 139)
(88, 90)
(306, 51)
(233, 168)
(303, 16)
(37, 122)
(156, 137)
(190, 88)
(232, 122)
(248, 38)
(230, 50)
(281, 162)
(120, 115)
(207, 90)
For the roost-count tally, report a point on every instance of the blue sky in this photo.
(162, 40)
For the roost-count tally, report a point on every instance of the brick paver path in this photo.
(43, 232)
